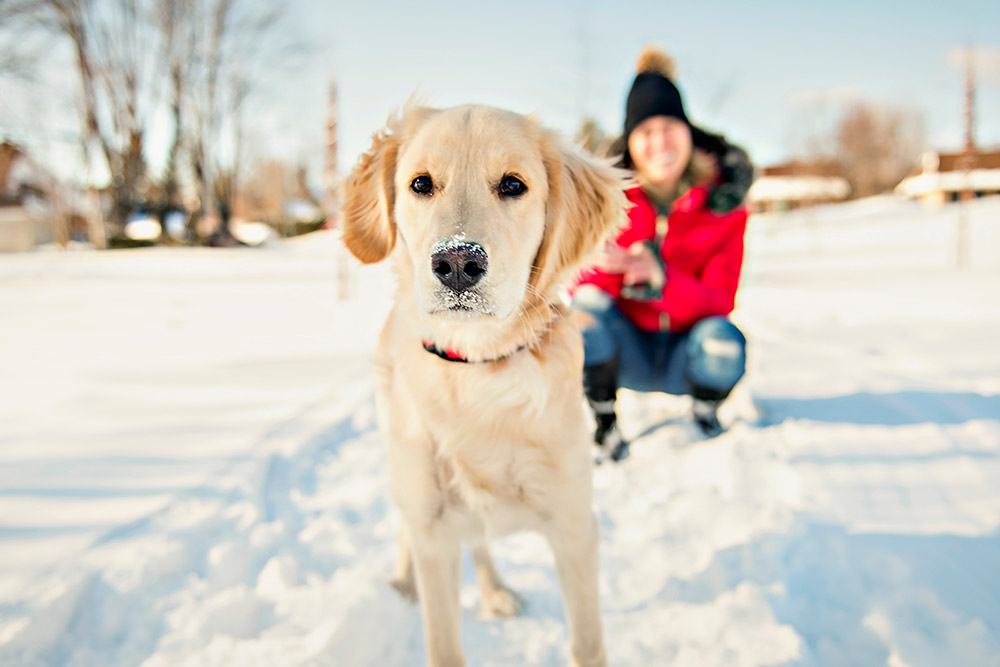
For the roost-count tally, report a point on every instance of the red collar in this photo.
(555, 312)
(453, 355)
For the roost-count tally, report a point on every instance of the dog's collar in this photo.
(534, 338)
(454, 355)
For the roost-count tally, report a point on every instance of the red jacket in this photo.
(702, 252)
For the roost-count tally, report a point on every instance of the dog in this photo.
(479, 391)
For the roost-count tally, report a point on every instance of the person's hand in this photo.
(642, 267)
(613, 258)
(636, 264)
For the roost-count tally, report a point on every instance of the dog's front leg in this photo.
(437, 559)
(575, 541)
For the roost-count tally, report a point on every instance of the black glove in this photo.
(735, 174)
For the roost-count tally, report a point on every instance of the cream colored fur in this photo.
(479, 450)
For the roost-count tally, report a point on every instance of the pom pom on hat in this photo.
(654, 61)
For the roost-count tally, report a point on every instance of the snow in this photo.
(987, 180)
(190, 472)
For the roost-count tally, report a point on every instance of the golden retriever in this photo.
(486, 215)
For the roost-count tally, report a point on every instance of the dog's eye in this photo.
(512, 186)
(422, 185)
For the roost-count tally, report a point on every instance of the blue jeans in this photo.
(711, 356)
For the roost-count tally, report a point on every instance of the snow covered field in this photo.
(190, 472)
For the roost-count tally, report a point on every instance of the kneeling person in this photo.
(660, 292)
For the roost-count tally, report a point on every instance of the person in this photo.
(658, 295)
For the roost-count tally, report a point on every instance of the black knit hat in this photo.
(654, 93)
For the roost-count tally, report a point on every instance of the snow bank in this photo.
(191, 472)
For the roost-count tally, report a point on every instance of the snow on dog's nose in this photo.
(459, 264)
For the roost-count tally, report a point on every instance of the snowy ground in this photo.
(190, 471)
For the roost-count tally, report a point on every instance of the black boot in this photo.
(600, 383)
(705, 410)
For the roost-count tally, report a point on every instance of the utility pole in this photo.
(970, 101)
(331, 182)
(330, 179)
(968, 161)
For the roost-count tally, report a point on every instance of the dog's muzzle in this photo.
(459, 265)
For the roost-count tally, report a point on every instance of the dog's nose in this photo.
(459, 265)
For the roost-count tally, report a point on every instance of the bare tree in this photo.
(265, 191)
(233, 43)
(114, 46)
(201, 59)
(178, 43)
(17, 59)
(592, 137)
(22, 49)
(877, 146)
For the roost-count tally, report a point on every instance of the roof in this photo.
(816, 167)
(956, 161)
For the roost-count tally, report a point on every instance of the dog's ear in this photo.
(369, 196)
(586, 205)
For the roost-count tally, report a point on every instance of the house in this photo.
(943, 177)
(797, 184)
(27, 211)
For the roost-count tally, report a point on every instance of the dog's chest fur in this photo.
(499, 430)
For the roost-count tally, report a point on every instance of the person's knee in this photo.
(593, 300)
(717, 329)
(716, 354)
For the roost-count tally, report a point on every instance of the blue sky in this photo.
(763, 73)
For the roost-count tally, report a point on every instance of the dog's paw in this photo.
(501, 603)
(406, 588)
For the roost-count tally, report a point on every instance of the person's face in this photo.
(660, 147)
